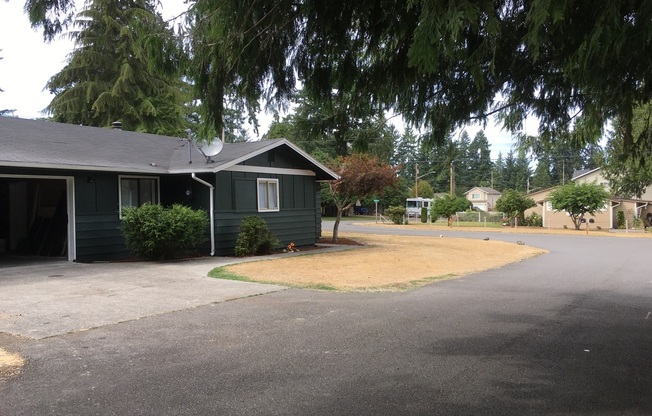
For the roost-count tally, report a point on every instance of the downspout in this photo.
(211, 212)
(641, 208)
(611, 214)
(640, 213)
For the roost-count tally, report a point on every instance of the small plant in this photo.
(254, 238)
(534, 220)
(620, 220)
(157, 233)
(396, 214)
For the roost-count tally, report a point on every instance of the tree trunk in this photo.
(336, 226)
(577, 222)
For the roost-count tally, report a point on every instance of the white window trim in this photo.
(278, 195)
(121, 177)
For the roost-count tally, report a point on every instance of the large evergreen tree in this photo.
(439, 63)
(405, 157)
(498, 179)
(480, 160)
(573, 63)
(463, 164)
(124, 68)
(629, 176)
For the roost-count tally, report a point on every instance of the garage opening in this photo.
(33, 217)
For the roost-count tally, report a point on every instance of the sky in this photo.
(28, 62)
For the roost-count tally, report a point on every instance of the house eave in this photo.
(93, 168)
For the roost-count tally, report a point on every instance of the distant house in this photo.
(63, 187)
(483, 198)
(606, 218)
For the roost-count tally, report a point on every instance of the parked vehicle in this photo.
(414, 205)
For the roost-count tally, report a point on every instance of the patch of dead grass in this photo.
(10, 364)
(386, 263)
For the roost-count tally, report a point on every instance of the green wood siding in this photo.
(97, 222)
(97, 218)
(297, 221)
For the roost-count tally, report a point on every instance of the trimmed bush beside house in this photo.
(157, 233)
(254, 238)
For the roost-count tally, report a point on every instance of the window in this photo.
(475, 196)
(268, 194)
(135, 191)
(548, 205)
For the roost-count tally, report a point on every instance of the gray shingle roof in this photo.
(43, 144)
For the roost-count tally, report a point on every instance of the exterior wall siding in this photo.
(97, 220)
(298, 219)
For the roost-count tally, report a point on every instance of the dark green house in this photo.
(62, 187)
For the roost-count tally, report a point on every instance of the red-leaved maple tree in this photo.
(361, 176)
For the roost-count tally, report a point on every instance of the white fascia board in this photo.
(150, 171)
(273, 171)
(311, 159)
(224, 166)
(274, 144)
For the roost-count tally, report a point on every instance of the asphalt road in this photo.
(566, 333)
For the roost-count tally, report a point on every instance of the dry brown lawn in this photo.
(10, 364)
(386, 263)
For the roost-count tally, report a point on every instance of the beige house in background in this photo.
(483, 198)
(607, 218)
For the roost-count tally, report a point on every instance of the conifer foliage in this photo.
(124, 68)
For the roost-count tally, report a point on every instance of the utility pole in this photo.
(452, 175)
(416, 180)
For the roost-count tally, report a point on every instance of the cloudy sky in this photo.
(28, 63)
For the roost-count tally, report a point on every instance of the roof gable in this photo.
(486, 190)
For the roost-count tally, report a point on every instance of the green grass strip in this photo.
(223, 273)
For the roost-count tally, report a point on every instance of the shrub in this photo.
(534, 220)
(254, 237)
(157, 233)
(396, 214)
(620, 220)
(424, 214)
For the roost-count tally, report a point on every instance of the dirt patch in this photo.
(387, 263)
(10, 364)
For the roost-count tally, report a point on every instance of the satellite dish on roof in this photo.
(211, 149)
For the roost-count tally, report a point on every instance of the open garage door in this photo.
(35, 216)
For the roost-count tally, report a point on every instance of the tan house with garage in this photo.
(483, 198)
(636, 212)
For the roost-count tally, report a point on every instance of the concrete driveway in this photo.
(48, 298)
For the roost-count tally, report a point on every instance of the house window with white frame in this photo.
(138, 190)
(268, 194)
(475, 196)
(548, 205)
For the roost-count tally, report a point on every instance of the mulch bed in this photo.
(340, 241)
